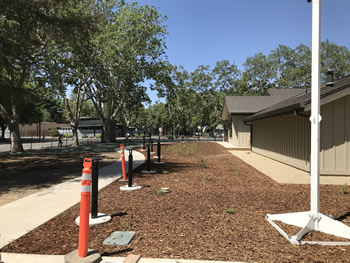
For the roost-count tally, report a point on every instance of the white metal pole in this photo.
(315, 108)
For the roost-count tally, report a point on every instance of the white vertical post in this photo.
(315, 108)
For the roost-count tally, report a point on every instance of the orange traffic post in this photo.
(85, 208)
(123, 161)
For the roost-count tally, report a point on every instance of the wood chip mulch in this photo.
(192, 221)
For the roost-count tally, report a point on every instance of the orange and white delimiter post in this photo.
(123, 161)
(85, 208)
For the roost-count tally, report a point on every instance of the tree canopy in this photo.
(103, 52)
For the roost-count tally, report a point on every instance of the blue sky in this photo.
(202, 32)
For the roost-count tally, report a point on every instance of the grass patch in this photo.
(183, 147)
(173, 147)
(193, 146)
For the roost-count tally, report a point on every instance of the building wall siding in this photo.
(274, 138)
(287, 139)
(240, 132)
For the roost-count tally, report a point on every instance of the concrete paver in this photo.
(21, 216)
(283, 173)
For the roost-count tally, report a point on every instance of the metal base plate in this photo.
(119, 238)
(148, 172)
(159, 162)
(129, 189)
(100, 219)
(310, 222)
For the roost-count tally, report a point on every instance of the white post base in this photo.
(310, 222)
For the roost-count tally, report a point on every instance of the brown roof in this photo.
(302, 102)
(285, 92)
(250, 104)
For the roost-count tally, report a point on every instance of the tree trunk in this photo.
(16, 142)
(109, 128)
(3, 128)
(75, 135)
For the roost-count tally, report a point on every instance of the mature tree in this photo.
(128, 48)
(258, 74)
(336, 58)
(285, 67)
(24, 42)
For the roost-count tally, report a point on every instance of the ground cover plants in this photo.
(220, 219)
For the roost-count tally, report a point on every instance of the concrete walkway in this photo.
(231, 146)
(20, 258)
(21, 216)
(283, 173)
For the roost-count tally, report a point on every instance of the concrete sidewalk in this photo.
(21, 216)
(283, 173)
(22, 258)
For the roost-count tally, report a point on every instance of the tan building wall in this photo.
(33, 129)
(239, 134)
(287, 139)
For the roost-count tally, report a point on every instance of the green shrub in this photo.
(98, 135)
(84, 136)
(160, 192)
(68, 135)
(202, 162)
(344, 189)
(53, 133)
(230, 211)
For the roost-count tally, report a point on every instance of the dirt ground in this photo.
(215, 211)
(27, 174)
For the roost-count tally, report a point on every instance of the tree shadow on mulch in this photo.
(43, 168)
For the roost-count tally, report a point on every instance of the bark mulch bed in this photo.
(191, 221)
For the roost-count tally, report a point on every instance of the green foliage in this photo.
(202, 162)
(67, 135)
(126, 226)
(160, 192)
(165, 172)
(53, 133)
(193, 146)
(344, 189)
(238, 172)
(84, 136)
(230, 211)
(98, 135)
(206, 178)
(182, 147)
(173, 147)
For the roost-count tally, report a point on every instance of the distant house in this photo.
(282, 131)
(238, 108)
(90, 126)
